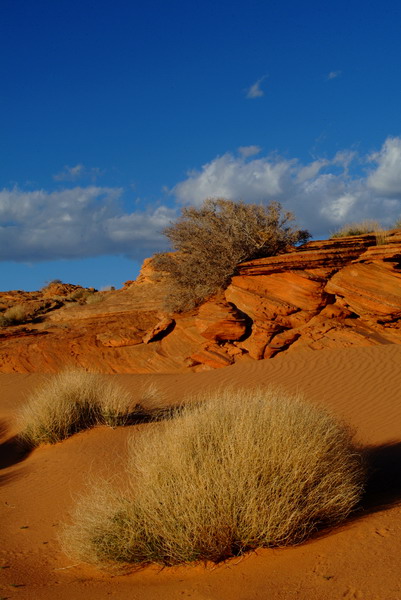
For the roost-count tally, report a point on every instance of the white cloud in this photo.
(311, 170)
(386, 178)
(340, 207)
(76, 223)
(78, 172)
(91, 221)
(334, 74)
(255, 90)
(247, 151)
(231, 177)
(322, 194)
(344, 159)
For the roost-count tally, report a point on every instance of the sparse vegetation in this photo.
(95, 298)
(52, 282)
(74, 400)
(15, 315)
(357, 229)
(79, 295)
(381, 236)
(362, 228)
(238, 471)
(212, 240)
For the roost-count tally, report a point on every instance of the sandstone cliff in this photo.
(332, 293)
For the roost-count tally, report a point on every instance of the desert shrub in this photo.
(214, 239)
(71, 401)
(397, 224)
(80, 295)
(357, 229)
(238, 471)
(15, 315)
(95, 298)
(52, 282)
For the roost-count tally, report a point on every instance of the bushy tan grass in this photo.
(238, 471)
(71, 401)
(14, 315)
(95, 298)
(360, 228)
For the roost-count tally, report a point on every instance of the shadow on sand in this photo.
(12, 452)
(383, 487)
(382, 490)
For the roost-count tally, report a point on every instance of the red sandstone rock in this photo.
(217, 320)
(213, 356)
(369, 289)
(276, 302)
(385, 252)
(115, 339)
(334, 253)
(162, 327)
(329, 294)
(262, 333)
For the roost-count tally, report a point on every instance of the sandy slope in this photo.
(361, 560)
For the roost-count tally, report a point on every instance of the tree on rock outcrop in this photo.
(212, 240)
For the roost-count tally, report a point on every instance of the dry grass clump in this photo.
(362, 228)
(14, 315)
(357, 229)
(79, 295)
(71, 401)
(95, 298)
(240, 470)
(3, 321)
(382, 237)
(213, 239)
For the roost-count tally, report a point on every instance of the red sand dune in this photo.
(359, 560)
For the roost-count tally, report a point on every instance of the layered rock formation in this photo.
(332, 293)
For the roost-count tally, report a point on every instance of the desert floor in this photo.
(359, 560)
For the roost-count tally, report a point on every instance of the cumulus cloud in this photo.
(231, 177)
(310, 171)
(91, 221)
(247, 151)
(386, 178)
(322, 194)
(344, 159)
(255, 90)
(78, 172)
(76, 223)
(334, 74)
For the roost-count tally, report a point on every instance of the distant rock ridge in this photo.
(327, 294)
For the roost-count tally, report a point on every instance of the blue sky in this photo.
(114, 115)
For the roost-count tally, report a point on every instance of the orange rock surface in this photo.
(327, 294)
